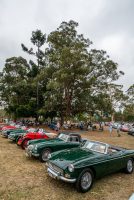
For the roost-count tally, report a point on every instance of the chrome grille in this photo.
(55, 168)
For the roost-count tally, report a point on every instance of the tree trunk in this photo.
(68, 99)
(112, 117)
(62, 119)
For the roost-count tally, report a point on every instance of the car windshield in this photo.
(31, 130)
(41, 130)
(63, 137)
(95, 146)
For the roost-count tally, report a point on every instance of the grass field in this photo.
(22, 178)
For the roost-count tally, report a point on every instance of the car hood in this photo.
(76, 156)
(47, 142)
(17, 133)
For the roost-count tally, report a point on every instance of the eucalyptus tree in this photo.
(78, 72)
(130, 93)
(116, 98)
(129, 107)
(67, 56)
(15, 90)
(38, 39)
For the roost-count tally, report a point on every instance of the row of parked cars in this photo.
(124, 127)
(69, 157)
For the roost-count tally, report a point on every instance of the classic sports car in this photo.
(7, 127)
(115, 125)
(62, 141)
(91, 161)
(131, 131)
(125, 128)
(16, 134)
(40, 134)
(8, 132)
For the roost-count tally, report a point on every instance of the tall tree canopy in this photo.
(65, 79)
(79, 73)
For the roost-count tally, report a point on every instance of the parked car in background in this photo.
(107, 123)
(115, 125)
(40, 134)
(16, 134)
(53, 126)
(8, 127)
(43, 149)
(93, 160)
(125, 128)
(8, 132)
(131, 131)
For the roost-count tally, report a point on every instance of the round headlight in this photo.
(49, 156)
(30, 147)
(70, 168)
(35, 147)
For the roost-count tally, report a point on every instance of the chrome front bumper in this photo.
(11, 138)
(30, 153)
(57, 175)
(4, 134)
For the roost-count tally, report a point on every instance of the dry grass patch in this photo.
(22, 178)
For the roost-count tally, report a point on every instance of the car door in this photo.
(73, 142)
(115, 161)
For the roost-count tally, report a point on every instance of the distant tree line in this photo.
(65, 78)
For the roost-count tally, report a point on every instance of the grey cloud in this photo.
(109, 24)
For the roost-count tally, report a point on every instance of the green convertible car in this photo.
(42, 149)
(16, 134)
(84, 164)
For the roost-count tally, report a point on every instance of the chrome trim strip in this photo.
(35, 154)
(60, 177)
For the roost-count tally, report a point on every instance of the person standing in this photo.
(58, 126)
(110, 129)
(118, 130)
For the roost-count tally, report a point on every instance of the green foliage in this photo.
(130, 93)
(129, 112)
(66, 79)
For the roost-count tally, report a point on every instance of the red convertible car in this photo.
(7, 128)
(41, 134)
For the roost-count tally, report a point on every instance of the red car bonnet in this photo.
(8, 127)
(32, 135)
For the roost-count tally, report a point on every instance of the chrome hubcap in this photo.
(130, 165)
(45, 155)
(86, 180)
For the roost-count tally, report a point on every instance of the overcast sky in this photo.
(107, 23)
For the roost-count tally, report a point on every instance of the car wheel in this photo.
(24, 143)
(85, 181)
(129, 166)
(44, 155)
(17, 140)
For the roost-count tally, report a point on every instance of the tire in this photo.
(17, 140)
(129, 166)
(44, 154)
(24, 143)
(80, 185)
